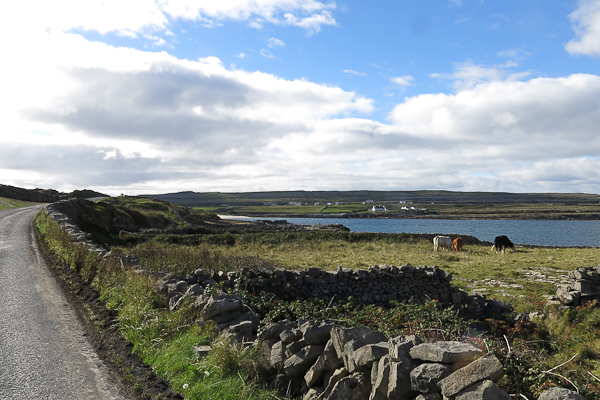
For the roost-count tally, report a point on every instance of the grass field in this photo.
(6, 203)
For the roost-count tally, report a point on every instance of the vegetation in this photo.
(6, 203)
(166, 340)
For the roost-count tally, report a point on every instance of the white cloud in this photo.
(586, 24)
(403, 81)
(467, 74)
(274, 42)
(352, 72)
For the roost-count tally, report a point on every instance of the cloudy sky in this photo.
(160, 96)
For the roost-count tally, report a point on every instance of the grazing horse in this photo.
(457, 244)
(501, 243)
(442, 241)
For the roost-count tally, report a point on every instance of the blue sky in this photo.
(162, 96)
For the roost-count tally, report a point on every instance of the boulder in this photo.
(337, 376)
(557, 393)
(354, 387)
(487, 367)
(445, 352)
(380, 374)
(400, 346)
(294, 347)
(332, 361)
(219, 319)
(290, 335)
(425, 377)
(274, 330)
(315, 373)
(430, 396)
(353, 345)
(241, 332)
(314, 393)
(484, 390)
(219, 304)
(316, 332)
(248, 316)
(299, 363)
(340, 336)
(399, 387)
(364, 357)
(278, 354)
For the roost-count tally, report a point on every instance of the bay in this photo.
(535, 232)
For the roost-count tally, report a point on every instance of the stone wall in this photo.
(584, 287)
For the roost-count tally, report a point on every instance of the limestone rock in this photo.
(353, 345)
(314, 393)
(315, 373)
(380, 374)
(557, 393)
(316, 332)
(274, 330)
(337, 376)
(399, 387)
(340, 336)
(444, 352)
(354, 387)
(221, 304)
(290, 335)
(332, 361)
(299, 363)
(430, 396)
(364, 357)
(487, 367)
(278, 354)
(400, 346)
(425, 377)
(484, 390)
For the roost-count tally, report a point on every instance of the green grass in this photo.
(6, 203)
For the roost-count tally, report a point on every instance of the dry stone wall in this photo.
(584, 287)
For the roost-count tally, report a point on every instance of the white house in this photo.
(379, 208)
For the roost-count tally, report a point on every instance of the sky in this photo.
(161, 96)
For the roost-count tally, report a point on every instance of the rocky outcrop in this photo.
(584, 287)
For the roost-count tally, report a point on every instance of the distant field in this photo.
(426, 203)
(559, 211)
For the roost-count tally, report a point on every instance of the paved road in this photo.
(44, 352)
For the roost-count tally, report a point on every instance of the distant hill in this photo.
(44, 195)
(216, 199)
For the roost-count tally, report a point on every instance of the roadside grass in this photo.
(166, 339)
(6, 203)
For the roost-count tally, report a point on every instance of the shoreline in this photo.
(394, 216)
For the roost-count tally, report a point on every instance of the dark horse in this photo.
(501, 243)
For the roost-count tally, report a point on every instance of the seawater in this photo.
(544, 233)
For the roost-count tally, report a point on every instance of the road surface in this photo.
(44, 351)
